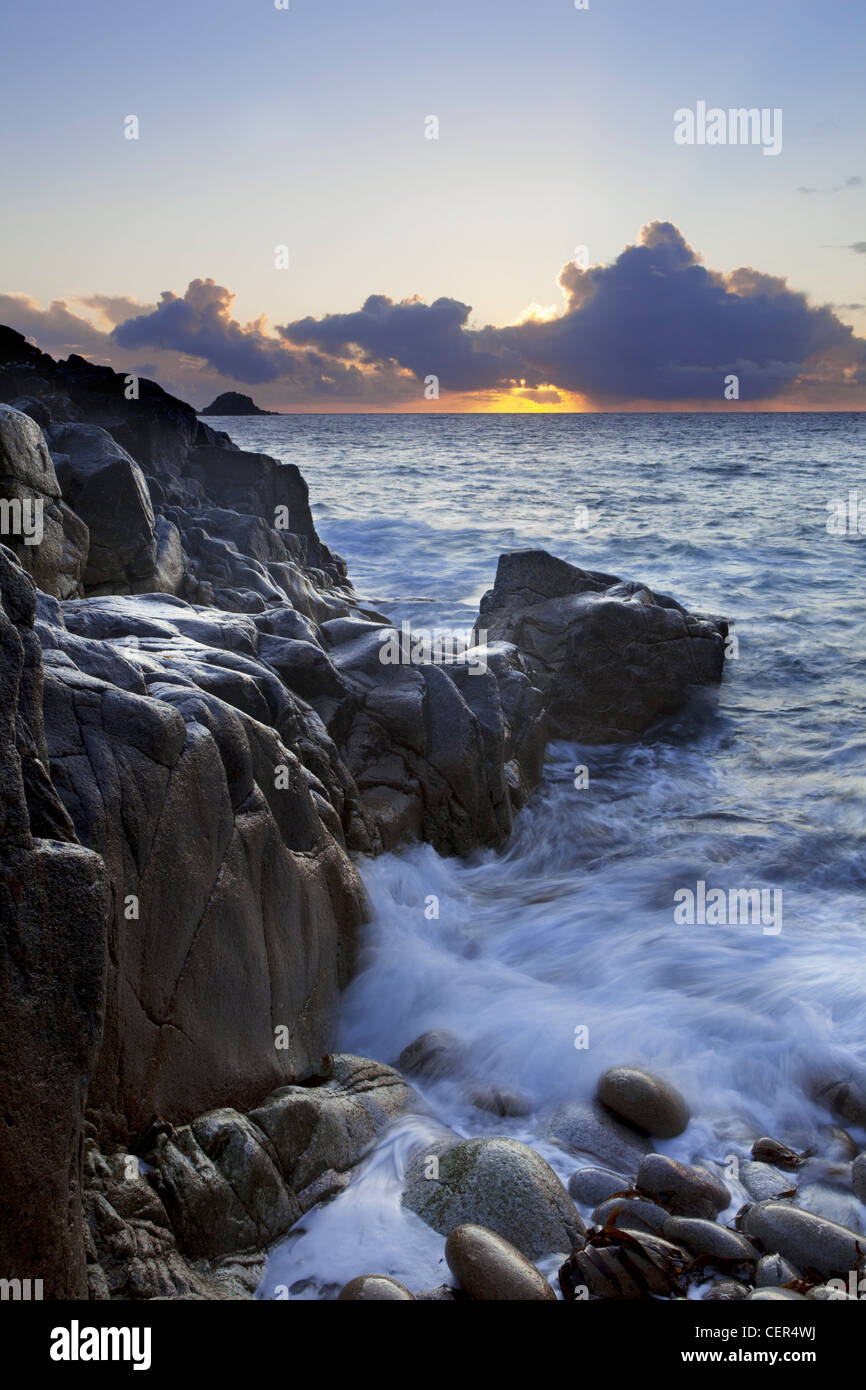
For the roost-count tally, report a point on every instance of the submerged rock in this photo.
(434, 1055)
(488, 1267)
(644, 1100)
(590, 1129)
(502, 1103)
(500, 1184)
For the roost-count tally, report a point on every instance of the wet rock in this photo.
(858, 1176)
(830, 1293)
(215, 1193)
(107, 489)
(499, 1184)
(443, 1294)
(644, 1101)
(330, 1125)
(809, 1242)
(73, 559)
(827, 1200)
(772, 1151)
(631, 1214)
(589, 1186)
(489, 1268)
(591, 1129)
(776, 1295)
(726, 1291)
(683, 1190)
(434, 1055)
(132, 1250)
(610, 657)
(55, 900)
(763, 1182)
(701, 1237)
(686, 1190)
(329, 1185)
(374, 1288)
(30, 497)
(503, 1103)
(846, 1096)
(839, 1145)
(221, 1185)
(773, 1270)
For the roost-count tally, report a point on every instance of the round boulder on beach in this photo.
(489, 1268)
(497, 1183)
(644, 1100)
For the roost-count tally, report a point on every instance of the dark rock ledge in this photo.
(197, 737)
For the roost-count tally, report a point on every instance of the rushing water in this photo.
(572, 925)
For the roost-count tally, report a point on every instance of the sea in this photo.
(560, 954)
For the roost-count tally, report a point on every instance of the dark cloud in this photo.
(859, 247)
(428, 339)
(200, 324)
(654, 325)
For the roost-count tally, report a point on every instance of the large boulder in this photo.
(610, 657)
(500, 1184)
(440, 751)
(235, 905)
(583, 1128)
(31, 518)
(107, 489)
(54, 916)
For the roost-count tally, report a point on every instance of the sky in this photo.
(499, 266)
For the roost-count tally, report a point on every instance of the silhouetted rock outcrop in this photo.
(235, 403)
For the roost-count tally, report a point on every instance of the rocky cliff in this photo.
(198, 735)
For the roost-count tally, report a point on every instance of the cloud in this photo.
(859, 247)
(200, 324)
(654, 325)
(55, 328)
(855, 181)
(115, 308)
(427, 339)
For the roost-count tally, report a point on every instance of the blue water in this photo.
(572, 924)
